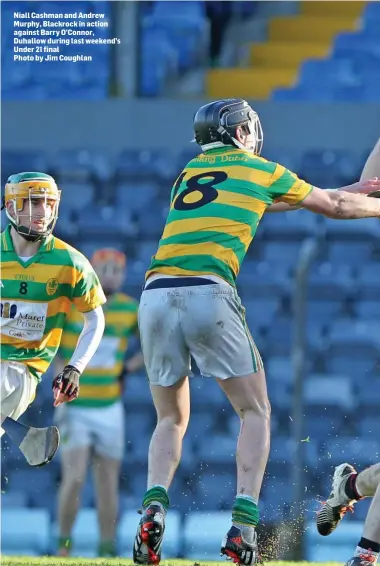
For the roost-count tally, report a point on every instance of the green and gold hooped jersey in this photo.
(216, 205)
(99, 384)
(36, 296)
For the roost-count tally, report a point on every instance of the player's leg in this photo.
(223, 348)
(106, 475)
(18, 390)
(368, 549)
(75, 455)
(109, 450)
(167, 362)
(348, 487)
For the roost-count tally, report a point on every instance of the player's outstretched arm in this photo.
(363, 187)
(343, 204)
(372, 165)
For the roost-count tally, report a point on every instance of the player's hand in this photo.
(363, 187)
(66, 385)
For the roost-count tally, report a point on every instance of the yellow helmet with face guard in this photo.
(21, 191)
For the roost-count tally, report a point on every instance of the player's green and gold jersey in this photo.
(100, 384)
(36, 296)
(216, 205)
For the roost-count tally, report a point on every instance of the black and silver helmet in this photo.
(215, 124)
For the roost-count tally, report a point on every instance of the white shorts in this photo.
(206, 322)
(99, 428)
(18, 389)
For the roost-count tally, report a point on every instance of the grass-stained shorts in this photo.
(204, 321)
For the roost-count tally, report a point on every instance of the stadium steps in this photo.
(291, 40)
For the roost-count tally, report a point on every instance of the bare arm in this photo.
(362, 187)
(342, 204)
(372, 165)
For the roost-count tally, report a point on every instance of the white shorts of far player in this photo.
(98, 428)
(18, 389)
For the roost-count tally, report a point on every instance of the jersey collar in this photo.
(6, 245)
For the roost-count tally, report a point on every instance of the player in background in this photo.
(92, 427)
(41, 277)
(348, 486)
(190, 306)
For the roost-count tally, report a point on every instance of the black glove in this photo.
(67, 382)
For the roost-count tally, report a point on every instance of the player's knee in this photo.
(175, 422)
(257, 408)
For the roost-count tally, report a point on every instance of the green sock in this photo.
(245, 511)
(107, 548)
(156, 494)
(65, 542)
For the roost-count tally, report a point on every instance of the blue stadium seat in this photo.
(217, 491)
(217, 449)
(283, 451)
(262, 311)
(77, 195)
(206, 393)
(145, 250)
(294, 225)
(136, 195)
(368, 397)
(136, 420)
(202, 532)
(354, 335)
(152, 220)
(368, 427)
(19, 161)
(345, 253)
(327, 165)
(359, 451)
(114, 222)
(278, 255)
(13, 499)
(266, 279)
(137, 389)
(347, 365)
(280, 369)
(81, 163)
(159, 60)
(352, 230)
(329, 426)
(330, 282)
(323, 311)
(186, 27)
(328, 389)
(35, 528)
(317, 73)
(141, 163)
(280, 336)
(367, 310)
(368, 281)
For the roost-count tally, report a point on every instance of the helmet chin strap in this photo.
(28, 236)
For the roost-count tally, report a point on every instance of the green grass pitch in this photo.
(48, 561)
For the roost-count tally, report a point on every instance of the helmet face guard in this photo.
(252, 126)
(22, 190)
